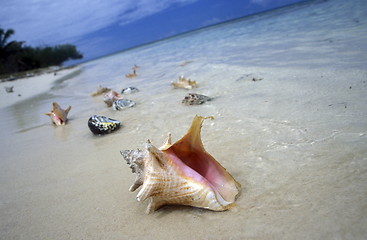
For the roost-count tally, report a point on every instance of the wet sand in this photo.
(295, 140)
(302, 168)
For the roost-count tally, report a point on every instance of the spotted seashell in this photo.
(122, 104)
(102, 125)
(195, 99)
(129, 90)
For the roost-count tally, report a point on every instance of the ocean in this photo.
(290, 124)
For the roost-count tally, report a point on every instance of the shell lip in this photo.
(190, 151)
(58, 120)
(203, 174)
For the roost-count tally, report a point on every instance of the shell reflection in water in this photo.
(181, 174)
(102, 125)
(122, 104)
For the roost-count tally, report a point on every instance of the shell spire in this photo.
(182, 174)
(135, 158)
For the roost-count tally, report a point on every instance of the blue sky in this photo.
(100, 27)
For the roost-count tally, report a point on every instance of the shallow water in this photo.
(296, 140)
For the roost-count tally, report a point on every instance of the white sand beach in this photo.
(295, 140)
(26, 88)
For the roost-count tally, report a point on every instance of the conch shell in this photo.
(58, 115)
(133, 74)
(181, 174)
(184, 83)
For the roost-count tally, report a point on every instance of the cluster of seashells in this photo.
(100, 125)
(117, 102)
(182, 173)
(114, 99)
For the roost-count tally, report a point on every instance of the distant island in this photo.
(17, 57)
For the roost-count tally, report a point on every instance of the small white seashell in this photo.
(129, 90)
(122, 104)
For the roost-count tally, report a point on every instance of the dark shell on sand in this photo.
(195, 99)
(122, 104)
(102, 125)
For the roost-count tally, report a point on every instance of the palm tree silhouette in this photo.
(7, 47)
(4, 36)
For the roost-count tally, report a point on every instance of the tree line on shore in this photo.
(15, 56)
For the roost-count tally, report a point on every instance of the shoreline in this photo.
(28, 87)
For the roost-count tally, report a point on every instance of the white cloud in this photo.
(48, 21)
(143, 8)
